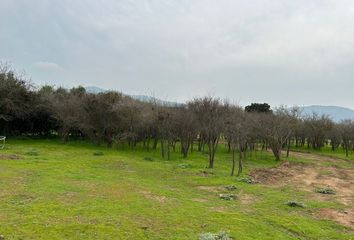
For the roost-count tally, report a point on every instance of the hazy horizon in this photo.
(279, 52)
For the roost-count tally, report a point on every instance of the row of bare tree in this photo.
(201, 124)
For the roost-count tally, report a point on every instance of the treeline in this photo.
(199, 125)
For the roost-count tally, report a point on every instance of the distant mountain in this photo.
(143, 98)
(334, 112)
(95, 90)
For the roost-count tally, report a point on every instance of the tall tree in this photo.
(209, 113)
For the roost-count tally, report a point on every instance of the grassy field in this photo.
(327, 151)
(82, 191)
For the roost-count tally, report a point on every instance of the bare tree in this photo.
(209, 114)
(101, 118)
(67, 110)
(185, 126)
(275, 129)
(236, 132)
(317, 129)
(346, 128)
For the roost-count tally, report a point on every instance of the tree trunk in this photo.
(277, 153)
(168, 150)
(233, 162)
(162, 149)
(148, 145)
(240, 162)
(155, 144)
(288, 149)
(211, 155)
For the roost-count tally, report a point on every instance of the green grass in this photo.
(82, 191)
(327, 151)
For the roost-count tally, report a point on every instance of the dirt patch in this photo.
(151, 196)
(212, 189)
(309, 177)
(120, 164)
(9, 157)
(247, 199)
(218, 209)
(205, 173)
(345, 218)
(315, 157)
(68, 198)
(200, 200)
(276, 176)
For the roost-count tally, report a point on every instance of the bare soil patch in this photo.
(218, 209)
(9, 157)
(308, 177)
(315, 157)
(246, 199)
(212, 189)
(205, 173)
(120, 164)
(200, 200)
(151, 196)
(345, 218)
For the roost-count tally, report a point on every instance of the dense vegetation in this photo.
(201, 124)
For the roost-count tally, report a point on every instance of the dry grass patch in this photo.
(154, 197)
(211, 189)
(9, 157)
(314, 176)
(247, 199)
(345, 218)
(220, 209)
(200, 200)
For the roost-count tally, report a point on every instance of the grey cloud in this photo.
(280, 51)
(48, 66)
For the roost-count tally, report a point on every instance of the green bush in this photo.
(148, 159)
(325, 191)
(227, 196)
(184, 165)
(247, 180)
(98, 153)
(295, 204)
(32, 152)
(231, 187)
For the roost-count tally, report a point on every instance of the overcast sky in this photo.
(276, 51)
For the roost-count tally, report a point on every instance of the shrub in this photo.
(247, 180)
(184, 165)
(215, 236)
(231, 187)
(32, 152)
(325, 191)
(148, 159)
(227, 196)
(98, 153)
(295, 204)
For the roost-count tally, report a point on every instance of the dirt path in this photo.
(324, 171)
